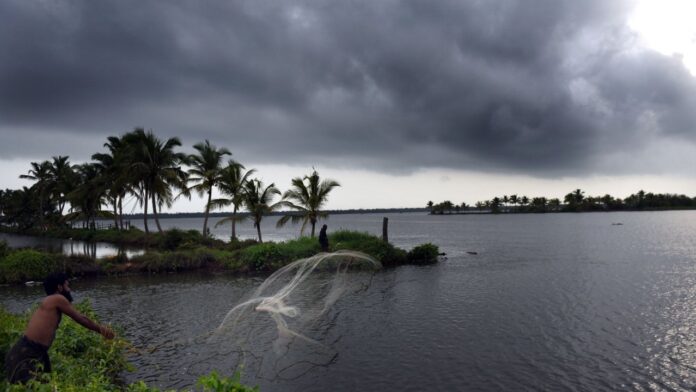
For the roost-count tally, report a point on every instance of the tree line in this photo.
(575, 201)
(150, 170)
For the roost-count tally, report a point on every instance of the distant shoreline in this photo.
(276, 213)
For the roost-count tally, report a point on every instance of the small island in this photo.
(575, 201)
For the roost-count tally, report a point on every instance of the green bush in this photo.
(27, 264)
(270, 256)
(423, 254)
(4, 249)
(215, 383)
(385, 252)
(171, 239)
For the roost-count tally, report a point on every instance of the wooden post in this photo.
(385, 229)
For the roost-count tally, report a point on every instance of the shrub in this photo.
(236, 244)
(171, 239)
(269, 256)
(214, 383)
(423, 254)
(385, 252)
(4, 249)
(27, 264)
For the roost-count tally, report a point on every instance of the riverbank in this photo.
(83, 361)
(133, 237)
(177, 253)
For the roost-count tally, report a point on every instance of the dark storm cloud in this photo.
(542, 86)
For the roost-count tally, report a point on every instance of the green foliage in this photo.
(215, 383)
(181, 260)
(4, 249)
(27, 264)
(270, 255)
(385, 252)
(171, 239)
(423, 254)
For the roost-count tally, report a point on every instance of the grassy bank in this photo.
(134, 237)
(18, 266)
(83, 361)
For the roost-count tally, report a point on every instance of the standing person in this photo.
(323, 239)
(30, 354)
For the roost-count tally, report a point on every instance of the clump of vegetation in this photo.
(83, 361)
(238, 256)
(384, 252)
(423, 254)
(26, 264)
(4, 249)
(270, 256)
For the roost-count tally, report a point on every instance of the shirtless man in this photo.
(30, 354)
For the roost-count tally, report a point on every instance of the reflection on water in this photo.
(557, 302)
(67, 247)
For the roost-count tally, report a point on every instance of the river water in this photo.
(561, 302)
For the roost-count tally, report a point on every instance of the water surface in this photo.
(562, 302)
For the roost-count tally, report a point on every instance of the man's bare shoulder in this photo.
(54, 301)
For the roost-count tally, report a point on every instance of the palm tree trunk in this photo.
(145, 212)
(314, 223)
(258, 230)
(115, 214)
(234, 215)
(207, 209)
(120, 210)
(154, 212)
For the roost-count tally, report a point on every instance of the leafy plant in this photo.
(423, 254)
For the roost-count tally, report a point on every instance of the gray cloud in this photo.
(545, 87)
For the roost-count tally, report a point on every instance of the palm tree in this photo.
(258, 201)
(88, 197)
(41, 173)
(63, 177)
(115, 168)
(308, 195)
(205, 173)
(514, 200)
(156, 168)
(231, 184)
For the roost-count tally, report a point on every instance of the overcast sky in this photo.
(400, 101)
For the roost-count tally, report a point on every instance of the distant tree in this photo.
(495, 205)
(514, 200)
(88, 197)
(205, 173)
(42, 187)
(231, 184)
(155, 168)
(259, 201)
(539, 204)
(524, 201)
(307, 196)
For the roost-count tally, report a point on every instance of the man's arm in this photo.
(64, 306)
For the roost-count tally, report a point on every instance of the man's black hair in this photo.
(52, 282)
